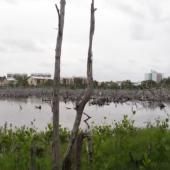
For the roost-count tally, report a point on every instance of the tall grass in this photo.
(118, 147)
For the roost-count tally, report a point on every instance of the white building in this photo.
(16, 75)
(3, 81)
(154, 76)
(39, 79)
(11, 79)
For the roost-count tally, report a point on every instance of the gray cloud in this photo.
(141, 31)
(130, 38)
(15, 1)
(127, 9)
(14, 45)
(156, 10)
(46, 64)
(144, 15)
(10, 1)
(2, 49)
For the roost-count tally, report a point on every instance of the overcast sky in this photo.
(131, 37)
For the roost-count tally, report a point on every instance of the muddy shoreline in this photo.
(99, 95)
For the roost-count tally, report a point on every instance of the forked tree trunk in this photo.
(56, 87)
(85, 98)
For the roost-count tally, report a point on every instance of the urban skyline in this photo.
(152, 75)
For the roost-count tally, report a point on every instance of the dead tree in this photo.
(78, 146)
(80, 105)
(78, 150)
(88, 135)
(56, 86)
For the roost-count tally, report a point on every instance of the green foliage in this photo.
(148, 84)
(48, 83)
(109, 85)
(118, 147)
(165, 82)
(22, 81)
(127, 85)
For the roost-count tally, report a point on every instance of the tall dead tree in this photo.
(86, 96)
(56, 86)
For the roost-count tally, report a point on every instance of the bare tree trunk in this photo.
(88, 135)
(56, 86)
(79, 146)
(90, 150)
(85, 98)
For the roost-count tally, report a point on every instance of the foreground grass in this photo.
(118, 147)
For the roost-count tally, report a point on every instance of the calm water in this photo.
(22, 112)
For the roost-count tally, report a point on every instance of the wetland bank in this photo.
(21, 106)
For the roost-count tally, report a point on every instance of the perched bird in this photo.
(38, 107)
(20, 107)
(161, 106)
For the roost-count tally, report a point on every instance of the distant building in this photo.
(39, 79)
(16, 75)
(154, 76)
(11, 79)
(3, 81)
(136, 83)
(119, 83)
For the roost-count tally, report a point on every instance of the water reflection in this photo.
(21, 112)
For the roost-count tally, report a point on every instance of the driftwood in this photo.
(56, 86)
(80, 104)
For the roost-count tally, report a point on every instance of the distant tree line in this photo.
(80, 83)
(127, 84)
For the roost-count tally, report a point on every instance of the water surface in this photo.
(22, 111)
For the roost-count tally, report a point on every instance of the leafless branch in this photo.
(58, 11)
(86, 120)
